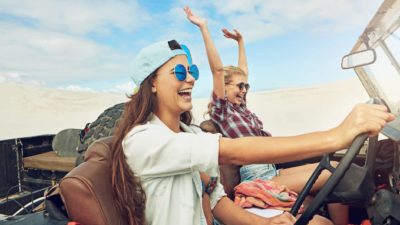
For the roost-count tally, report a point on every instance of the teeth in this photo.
(185, 91)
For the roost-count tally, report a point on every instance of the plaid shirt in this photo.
(234, 120)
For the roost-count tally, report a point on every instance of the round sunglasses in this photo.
(242, 86)
(181, 72)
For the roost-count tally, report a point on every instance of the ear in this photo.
(153, 86)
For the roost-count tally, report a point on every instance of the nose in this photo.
(189, 78)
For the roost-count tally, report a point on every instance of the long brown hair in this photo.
(129, 194)
(229, 72)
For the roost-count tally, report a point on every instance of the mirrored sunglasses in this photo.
(181, 72)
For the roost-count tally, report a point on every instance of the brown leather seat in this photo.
(86, 190)
(230, 174)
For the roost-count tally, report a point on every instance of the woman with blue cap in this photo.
(158, 156)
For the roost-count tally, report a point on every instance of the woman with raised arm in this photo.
(157, 156)
(229, 112)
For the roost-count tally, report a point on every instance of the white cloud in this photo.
(50, 56)
(10, 77)
(77, 16)
(76, 88)
(47, 41)
(259, 19)
(125, 88)
(16, 77)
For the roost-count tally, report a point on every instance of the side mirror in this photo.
(360, 58)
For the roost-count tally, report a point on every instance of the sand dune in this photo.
(31, 110)
(299, 110)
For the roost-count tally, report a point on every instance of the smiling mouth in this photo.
(186, 93)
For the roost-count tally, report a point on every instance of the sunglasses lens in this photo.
(194, 71)
(180, 72)
(242, 85)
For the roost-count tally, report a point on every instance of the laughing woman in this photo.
(229, 112)
(158, 156)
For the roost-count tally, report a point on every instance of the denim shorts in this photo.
(261, 171)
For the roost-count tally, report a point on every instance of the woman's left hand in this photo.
(235, 35)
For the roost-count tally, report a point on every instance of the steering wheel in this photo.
(337, 175)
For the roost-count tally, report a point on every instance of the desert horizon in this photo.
(29, 110)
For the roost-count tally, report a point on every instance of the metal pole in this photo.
(17, 148)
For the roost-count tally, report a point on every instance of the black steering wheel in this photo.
(337, 175)
(358, 190)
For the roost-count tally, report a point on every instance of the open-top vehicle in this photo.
(368, 181)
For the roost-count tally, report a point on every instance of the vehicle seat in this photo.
(86, 190)
(230, 174)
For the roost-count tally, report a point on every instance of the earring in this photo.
(153, 89)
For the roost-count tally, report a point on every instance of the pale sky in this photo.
(90, 45)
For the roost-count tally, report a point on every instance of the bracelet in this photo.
(203, 188)
(211, 185)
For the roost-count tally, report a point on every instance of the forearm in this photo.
(215, 62)
(249, 150)
(207, 209)
(229, 213)
(242, 62)
(212, 53)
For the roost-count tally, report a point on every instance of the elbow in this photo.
(231, 161)
(227, 154)
(224, 160)
(217, 70)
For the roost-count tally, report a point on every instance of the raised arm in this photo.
(235, 35)
(364, 118)
(212, 54)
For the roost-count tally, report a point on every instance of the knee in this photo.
(317, 219)
(334, 163)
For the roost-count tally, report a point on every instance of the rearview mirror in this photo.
(357, 59)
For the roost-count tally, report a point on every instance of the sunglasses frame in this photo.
(181, 71)
(242, 85)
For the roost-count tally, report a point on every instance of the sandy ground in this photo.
(299, 110)
(31, 110)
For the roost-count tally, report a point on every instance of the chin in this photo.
(186, 107)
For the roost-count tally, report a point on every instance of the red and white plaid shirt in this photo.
(234, 120)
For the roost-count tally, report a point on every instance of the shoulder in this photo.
(146, 130)
(219, 102)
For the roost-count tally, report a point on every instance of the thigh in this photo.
(295, 178)
(298, 169)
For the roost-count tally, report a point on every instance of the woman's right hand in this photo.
(284, 218)
(364, 118)
(198, 21)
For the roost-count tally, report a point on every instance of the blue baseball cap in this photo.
(155, 55)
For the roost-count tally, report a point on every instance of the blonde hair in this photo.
(229, 73)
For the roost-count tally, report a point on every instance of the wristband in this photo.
(211, 185)
(203, 188)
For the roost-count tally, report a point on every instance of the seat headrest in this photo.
(209, 126)
(86, 190)
(100, 150)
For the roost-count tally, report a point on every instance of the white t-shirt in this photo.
(168, 165)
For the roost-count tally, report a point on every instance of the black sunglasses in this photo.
(242, 85)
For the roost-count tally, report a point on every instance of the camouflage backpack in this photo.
(103, 126)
